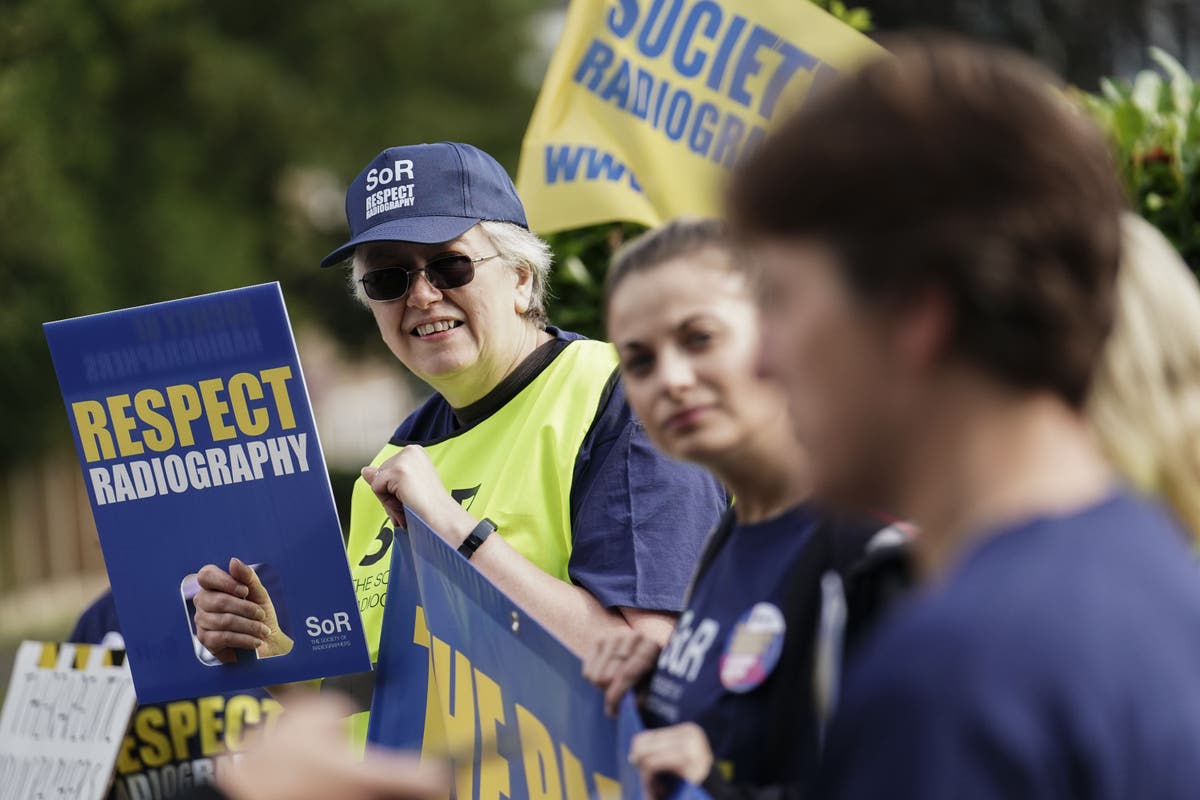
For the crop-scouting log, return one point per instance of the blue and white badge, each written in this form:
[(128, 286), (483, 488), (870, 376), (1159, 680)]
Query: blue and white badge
[(753, 649)]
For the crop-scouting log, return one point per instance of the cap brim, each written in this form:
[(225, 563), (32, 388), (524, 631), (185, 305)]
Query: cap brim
[(421, 230)]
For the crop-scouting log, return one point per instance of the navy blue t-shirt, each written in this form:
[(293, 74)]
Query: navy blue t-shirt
[(172, 747), (1060, 659), (724, 667), (638, 518)]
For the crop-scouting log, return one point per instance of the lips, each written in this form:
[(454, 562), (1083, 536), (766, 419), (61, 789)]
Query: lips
[(685, 419), (434, 327)]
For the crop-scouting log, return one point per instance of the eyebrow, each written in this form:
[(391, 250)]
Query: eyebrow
[(699, 317), (683, 324)]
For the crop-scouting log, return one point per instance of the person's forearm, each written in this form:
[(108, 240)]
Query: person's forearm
[(569, 612)]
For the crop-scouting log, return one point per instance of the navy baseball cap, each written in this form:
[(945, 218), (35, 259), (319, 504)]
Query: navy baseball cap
[(427, 193)]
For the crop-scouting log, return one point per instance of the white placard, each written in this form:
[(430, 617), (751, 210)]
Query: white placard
[(65, 715)]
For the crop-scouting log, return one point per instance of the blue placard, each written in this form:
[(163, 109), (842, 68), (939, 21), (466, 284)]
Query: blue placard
[(505, 699), (197, 443)]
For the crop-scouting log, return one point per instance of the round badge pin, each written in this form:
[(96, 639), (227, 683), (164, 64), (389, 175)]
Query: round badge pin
[(753, 649)]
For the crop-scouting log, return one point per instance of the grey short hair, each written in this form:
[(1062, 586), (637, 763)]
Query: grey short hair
[(520, 249), (524, 249)]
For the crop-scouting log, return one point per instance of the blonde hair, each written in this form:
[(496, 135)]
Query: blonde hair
[(1145, 398)]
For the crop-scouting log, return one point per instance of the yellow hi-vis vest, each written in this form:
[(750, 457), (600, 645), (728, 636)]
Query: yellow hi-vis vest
[(514, 467)]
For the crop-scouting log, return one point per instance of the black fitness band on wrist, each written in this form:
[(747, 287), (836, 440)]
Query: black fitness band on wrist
[(476, 537)]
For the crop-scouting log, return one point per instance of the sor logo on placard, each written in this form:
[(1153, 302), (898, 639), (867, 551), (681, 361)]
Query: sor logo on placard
[(316, 626), (382, 177)]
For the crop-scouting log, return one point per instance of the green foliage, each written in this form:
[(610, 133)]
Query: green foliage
[(857, 18), (153, 149), (577, 283), (1154, 124)]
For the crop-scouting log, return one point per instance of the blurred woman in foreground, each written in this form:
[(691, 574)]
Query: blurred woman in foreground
[(1145, 400), (732, 698)]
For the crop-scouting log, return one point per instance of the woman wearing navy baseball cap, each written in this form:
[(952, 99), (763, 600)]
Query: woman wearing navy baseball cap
[(528, 434)]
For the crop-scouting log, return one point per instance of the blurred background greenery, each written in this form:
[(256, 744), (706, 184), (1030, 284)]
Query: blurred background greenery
[(1153, 121), (154, 149), (162, 148)]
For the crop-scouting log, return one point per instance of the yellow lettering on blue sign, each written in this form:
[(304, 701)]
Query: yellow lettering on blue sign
[(187, 729), (537, 750), (464, 704), (493, 768), (125, 426)]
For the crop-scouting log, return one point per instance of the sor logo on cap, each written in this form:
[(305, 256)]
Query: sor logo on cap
[(382, 177), (389, 198)]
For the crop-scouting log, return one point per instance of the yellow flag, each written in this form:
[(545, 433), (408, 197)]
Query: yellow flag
[(648, 104)]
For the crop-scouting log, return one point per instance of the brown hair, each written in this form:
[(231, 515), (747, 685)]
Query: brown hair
[(955, 167), (677, 238)]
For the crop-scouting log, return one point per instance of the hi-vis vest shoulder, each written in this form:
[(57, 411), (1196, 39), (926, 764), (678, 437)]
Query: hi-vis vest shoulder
[(514, 467)]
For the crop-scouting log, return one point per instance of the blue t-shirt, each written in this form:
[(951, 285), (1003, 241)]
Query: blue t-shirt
[(1060, 659), (638, 518), (739, 661), (171, 747)]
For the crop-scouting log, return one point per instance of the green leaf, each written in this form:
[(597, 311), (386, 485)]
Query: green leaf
[(1112, 91), (575, 271), (1147, 91), (859, 19), (1129, 123), (1182, 85)]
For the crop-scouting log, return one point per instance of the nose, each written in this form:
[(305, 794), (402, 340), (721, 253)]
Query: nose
[(676, 373), (421, 293)]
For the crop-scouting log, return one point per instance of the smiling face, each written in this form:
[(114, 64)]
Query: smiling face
[(460, 341), (686, 332)]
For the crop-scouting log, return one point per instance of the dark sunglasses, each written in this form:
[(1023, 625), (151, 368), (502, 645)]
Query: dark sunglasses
[(444, 272)]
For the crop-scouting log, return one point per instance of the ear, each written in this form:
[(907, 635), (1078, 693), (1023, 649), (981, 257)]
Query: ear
[(523, 290), (923, 329)]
